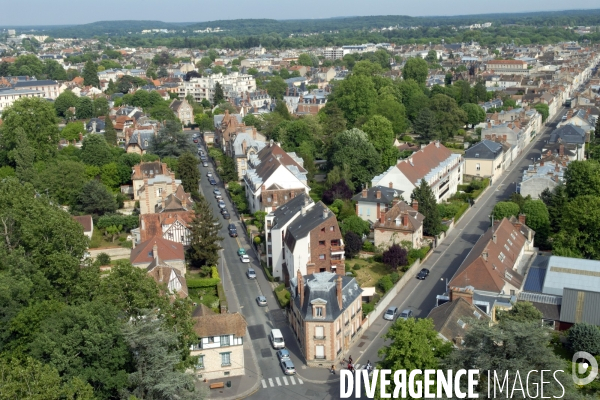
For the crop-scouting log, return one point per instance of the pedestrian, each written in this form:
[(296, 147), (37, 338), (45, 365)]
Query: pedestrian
[(333, 369), (349, 367), (349, 359)]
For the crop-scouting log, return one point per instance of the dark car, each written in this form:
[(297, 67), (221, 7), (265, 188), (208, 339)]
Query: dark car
[(226, 215), (232, 230), (423, 274), (195, 140), (212, 182)]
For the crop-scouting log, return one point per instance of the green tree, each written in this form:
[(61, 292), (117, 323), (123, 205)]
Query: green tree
[(538, 219), (475, 114), (24, 157), (583, 178), (163, 112), (425, 125), (522, 311), (415, 344), (381, 135), (72, 130), (204, 243), (276, 87), (110, 134), (64, 101), (584, 337), (355, 96), (304, 59), (352, 148), (110, 176), (100, 106), (90, 74), (54, 70), (84, 108), (282, 110), (556, 201), (394, 112), (479, 93), (462, 91), (219, 96), (332, 119), (352, 244), (95, 151), (156, 374), (579, 235), (95, 199), (37, 118), (505, 209), (355, 224), (543, 109), (63, 180), (171, 141), (432, 224), (450, 118), (188, 172), (416, 69)]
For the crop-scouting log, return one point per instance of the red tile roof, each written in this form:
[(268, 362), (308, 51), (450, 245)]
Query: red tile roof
[(86, 221), (167, 250), (423, 161)]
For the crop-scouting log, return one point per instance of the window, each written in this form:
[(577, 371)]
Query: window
[(269, 199), (461, 323), (200, 363), (501, 256), (182, 238), (321, 256), (478, 167), (225, 359), (509, 242), (506, 247), (225, 340), (319, 311), (321, 243), (508, 275), (320, 352), (368, 211), (331, 229), (319, 332), (476, 314)]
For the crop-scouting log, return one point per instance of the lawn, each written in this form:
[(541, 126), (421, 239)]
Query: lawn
[(100, 241), (206, 296), (369, 273)]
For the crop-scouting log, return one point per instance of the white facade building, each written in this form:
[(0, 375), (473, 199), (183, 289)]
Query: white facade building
[(234, 84)]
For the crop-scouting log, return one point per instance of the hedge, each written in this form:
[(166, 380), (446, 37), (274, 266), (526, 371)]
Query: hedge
[(283, 295), (222, 297), (128, 222), (198, 283), (460, 212), (268, 272)]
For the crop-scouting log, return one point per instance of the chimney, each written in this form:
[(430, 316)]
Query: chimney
[(561, 150), (184, 203), (504, 138), (405, 219), (484, 255), (465, 293), (557, 168), (494, 237), (415, 205), (254, 133), (541, 163), (437, 143), (325, 213), (489, 124), (390, 185), (522, 219), (378, 194), (160, 274), (382, 217), (300, 287), (364, 193), (155, 251), (339, 292), (223, 308)]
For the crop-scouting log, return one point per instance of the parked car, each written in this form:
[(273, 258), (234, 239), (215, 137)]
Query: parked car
[(241, 251), (244, 258), (216, 191), (204, 164), (223, 210), (423, 273), (262, 301), (390, 313), (283, 354), (212, 181), (406, 314), (195, 140), (288, 367), (232, 230), (226, 215), (218, 197), (221, 204), (251, 274)]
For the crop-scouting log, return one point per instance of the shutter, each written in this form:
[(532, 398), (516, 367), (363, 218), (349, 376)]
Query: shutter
[(319, 332), (320, 352)]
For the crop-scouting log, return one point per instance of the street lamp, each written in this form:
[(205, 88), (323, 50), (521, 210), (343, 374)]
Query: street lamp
[(445, 280)]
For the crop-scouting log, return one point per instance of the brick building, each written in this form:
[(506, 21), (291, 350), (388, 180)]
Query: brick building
[(400, 223), (325, 315)]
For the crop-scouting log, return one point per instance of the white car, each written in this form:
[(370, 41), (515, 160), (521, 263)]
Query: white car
[(244, 258), (221, 204)]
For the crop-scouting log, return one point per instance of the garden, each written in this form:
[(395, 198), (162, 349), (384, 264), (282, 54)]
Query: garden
[(206, 288), (459, 203)]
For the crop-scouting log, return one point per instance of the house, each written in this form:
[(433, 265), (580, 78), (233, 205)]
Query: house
[(183, 110), (496, 262), (372, 201), (572, 137), (168, 277), (451, 319), (88, 224), (244, 145), (95, 125), (157, 250), (548, 174), (302, 70), (227, 125), (153, 181), (273, 177), (438, 166), (220, 346), (313, 243), (48, 87), (485, 159), (140, 140), (8, 96), (507, 66), (325, 315), (400, 223), (170, 225), (276, 223), (311, 103)]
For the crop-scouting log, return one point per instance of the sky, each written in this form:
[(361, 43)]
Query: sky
[(63, 12)]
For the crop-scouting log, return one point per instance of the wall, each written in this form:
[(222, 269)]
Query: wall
[(212, 362)]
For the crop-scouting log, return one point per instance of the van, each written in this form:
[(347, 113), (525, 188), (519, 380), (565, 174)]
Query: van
[(276, 339)]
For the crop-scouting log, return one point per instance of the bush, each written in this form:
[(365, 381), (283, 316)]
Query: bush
[(199, 283), (449, 210), (394, 277), (406, 138), (464, 207), (585, 337), (368, 246), (128, 222), (283, 295), (103, 259), (356, 267), (257, 240), (268, 271), (385, 284), (367, 308)]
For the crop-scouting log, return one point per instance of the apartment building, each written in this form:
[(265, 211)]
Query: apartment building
[(234, 84)]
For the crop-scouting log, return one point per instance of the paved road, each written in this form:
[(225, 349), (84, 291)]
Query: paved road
[(260, 320), (420, 296)]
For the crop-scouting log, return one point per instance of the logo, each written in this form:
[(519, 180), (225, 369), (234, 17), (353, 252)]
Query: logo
[(581, 368)]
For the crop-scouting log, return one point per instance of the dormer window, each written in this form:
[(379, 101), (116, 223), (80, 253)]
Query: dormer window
[(501, 256), (319, 312)]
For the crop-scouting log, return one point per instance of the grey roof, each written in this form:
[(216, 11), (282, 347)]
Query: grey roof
[(447, 317), (387, 195), (99, 125), (257, 145), (290, 209), (21, 84), (568, 134), (486, 149), (142, 138), (304, 224), (574, 273), (217, 119), (580, 306), (534, 282), (322, 288)]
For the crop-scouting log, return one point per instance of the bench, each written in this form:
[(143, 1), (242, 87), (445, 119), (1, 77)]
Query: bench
[(217, 385)]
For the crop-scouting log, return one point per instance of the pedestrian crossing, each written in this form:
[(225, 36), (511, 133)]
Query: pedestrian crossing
[(284, 381)]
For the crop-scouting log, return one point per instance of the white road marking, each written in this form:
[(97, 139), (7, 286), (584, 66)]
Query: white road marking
[(264, 384), (292, 380), (300, 381), (285, 380), (278, 381), (271, 382)]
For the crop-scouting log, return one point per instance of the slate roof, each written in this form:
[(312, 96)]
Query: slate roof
[(209, 325), (167, 250), (568, 134), (268, 160), (387, 195), (100, 125), (290, 209), (304, 224), (142, 139), (451, 319), (486, 150), (149, 169), (22, 84), (322, 287)]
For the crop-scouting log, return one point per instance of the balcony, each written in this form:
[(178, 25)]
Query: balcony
[(319, 337), (337, 262), (336, 248), (320, 357)]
